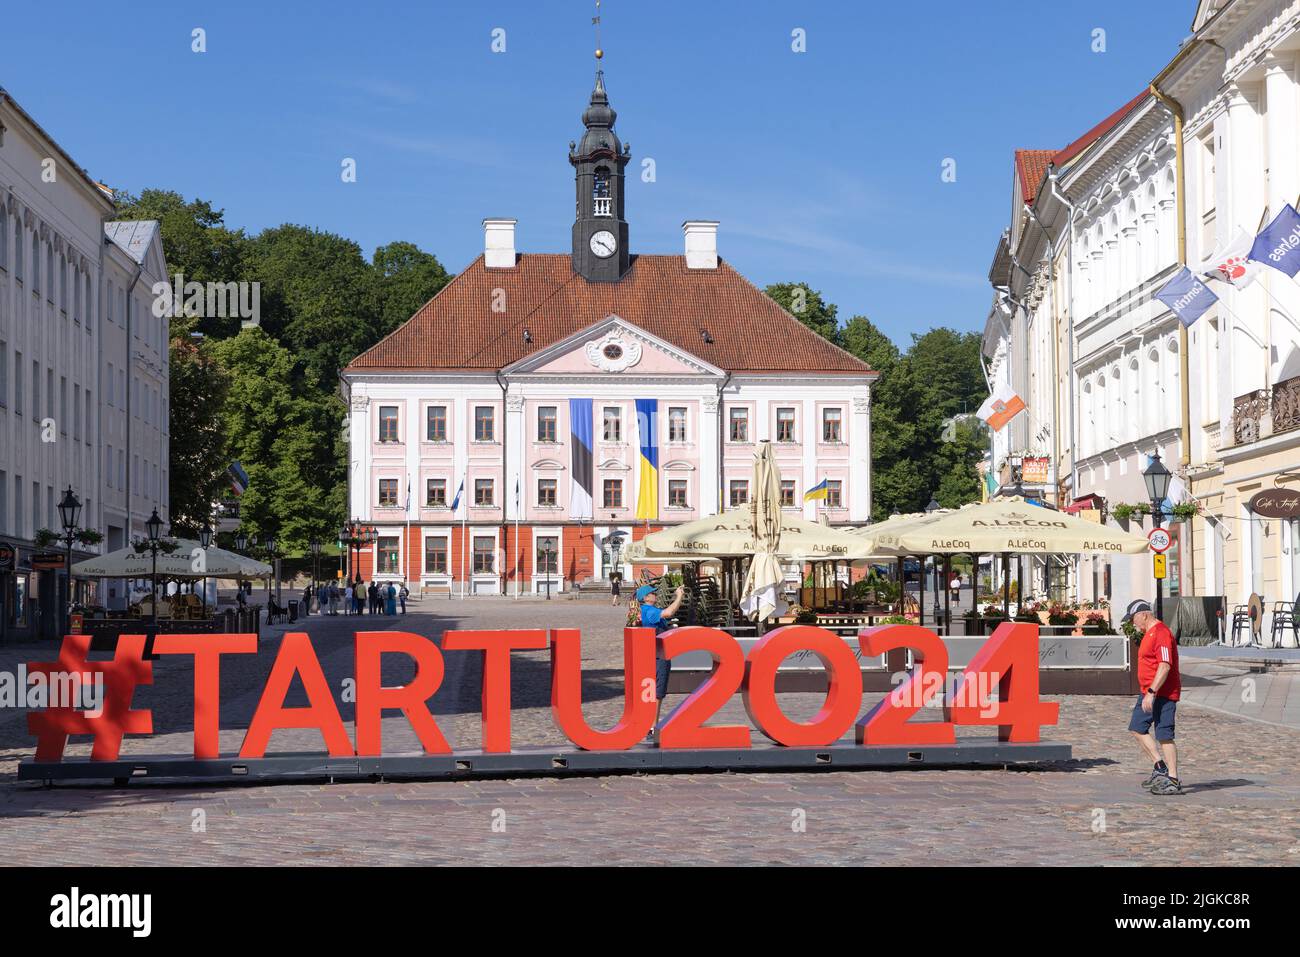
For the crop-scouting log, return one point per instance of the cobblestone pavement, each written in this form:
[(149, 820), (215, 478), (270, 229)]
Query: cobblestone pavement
[(1240, 806)]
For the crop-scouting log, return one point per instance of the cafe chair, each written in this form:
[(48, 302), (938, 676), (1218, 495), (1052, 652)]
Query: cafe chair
[(1285, 616), (1241, 623)]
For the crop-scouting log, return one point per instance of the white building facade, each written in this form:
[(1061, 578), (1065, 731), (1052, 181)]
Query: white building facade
[(56, 343)]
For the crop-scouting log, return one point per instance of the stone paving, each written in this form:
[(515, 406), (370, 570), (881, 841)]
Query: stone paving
[(1239, 745)]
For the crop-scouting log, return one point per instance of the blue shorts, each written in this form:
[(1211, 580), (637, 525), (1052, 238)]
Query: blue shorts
[(1162, 713), (663, 666)]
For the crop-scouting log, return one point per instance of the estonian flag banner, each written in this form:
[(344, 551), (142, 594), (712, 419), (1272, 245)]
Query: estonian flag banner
[(1187, 296), (1279, 244), (647, 496), (580, 428), (455, 502)]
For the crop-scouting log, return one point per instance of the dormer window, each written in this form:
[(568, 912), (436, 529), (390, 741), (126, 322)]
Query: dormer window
[(602, 202)]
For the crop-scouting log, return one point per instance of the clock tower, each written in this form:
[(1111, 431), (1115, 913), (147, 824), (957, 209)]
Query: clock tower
[(599, 227)]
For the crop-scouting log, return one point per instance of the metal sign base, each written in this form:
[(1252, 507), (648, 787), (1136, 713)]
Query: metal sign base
[(548, 762)]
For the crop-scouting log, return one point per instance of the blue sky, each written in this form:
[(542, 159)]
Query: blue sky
[(823, 167)]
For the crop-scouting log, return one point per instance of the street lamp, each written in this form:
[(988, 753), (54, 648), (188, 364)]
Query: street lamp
[(241, 541), (1157, 479), (153, 527), (314, 545), (548, 553), (205, 541), (69, 514), (270, 552)]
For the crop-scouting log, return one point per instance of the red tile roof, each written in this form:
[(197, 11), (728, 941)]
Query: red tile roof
[(1098, 131), (1031, 167), (457, 329)]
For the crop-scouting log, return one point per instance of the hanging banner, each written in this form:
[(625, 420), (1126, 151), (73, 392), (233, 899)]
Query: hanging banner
[(580, 430)]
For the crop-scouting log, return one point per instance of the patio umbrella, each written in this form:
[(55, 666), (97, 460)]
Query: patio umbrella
[(1013, 525), (731, 535), (760, 597), (883, 536), (182, 563)]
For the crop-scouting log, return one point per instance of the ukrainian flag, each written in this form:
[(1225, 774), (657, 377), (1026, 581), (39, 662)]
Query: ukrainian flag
[(647, 498), (819, 490)]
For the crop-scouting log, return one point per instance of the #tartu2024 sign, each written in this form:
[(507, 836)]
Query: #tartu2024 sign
[(998, 688)]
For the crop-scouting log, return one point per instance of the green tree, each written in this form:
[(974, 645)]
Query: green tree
[(807, 305), (199, 386), (408, 278)]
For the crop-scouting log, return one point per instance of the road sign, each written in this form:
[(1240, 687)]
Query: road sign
[(1159, 539), (1159, 564)]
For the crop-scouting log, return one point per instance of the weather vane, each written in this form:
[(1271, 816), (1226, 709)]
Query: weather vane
[(595, 21)]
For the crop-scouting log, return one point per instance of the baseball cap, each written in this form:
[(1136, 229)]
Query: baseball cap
[(1134, 607), (643, 591)]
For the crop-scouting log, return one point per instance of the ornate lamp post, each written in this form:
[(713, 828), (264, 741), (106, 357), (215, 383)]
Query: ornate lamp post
[(548, 552), (205, 541), (1157, 479), (315, 563), (153, 529), (69, 514), (270, 552)]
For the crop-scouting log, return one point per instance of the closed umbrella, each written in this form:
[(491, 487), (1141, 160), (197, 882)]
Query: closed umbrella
[(760, 597)]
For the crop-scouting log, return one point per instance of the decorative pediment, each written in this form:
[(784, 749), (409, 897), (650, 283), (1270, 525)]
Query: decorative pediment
[(615, 465), (678, 465), (613, 346), (547, 465)]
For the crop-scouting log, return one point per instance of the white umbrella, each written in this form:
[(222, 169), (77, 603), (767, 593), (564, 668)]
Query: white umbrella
[(189, 560), (760, 597), (1013, 525)]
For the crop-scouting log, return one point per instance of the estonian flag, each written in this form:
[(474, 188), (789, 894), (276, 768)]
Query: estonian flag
[(455, 502), (580, 430), (820, 490)]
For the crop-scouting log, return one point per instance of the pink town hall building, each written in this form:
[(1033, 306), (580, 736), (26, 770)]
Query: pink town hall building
[(544, 410)]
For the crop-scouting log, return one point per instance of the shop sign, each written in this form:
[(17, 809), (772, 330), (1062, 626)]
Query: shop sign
[(1276, 503), (8, 557)]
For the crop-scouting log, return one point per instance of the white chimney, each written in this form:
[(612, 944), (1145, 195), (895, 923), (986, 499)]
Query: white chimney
[(701, 243), (499, 243)]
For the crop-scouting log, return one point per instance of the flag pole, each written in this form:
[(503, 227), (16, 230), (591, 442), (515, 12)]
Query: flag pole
[(464, 516)]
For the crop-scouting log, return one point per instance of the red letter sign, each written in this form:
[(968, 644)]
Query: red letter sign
[(373, 698), (207, 651), (496, 647), (296, 657), (685, 726), (566, 690), (1008, 661), (842, 697), (886, 723)]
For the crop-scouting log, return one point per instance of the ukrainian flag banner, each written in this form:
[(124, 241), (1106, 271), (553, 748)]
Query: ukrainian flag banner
[(647, 496), (820, 490)]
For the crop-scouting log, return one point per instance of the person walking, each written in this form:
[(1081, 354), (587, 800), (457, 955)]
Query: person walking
[(402, 594), (615, 586), (652, 616), (1159, 688)]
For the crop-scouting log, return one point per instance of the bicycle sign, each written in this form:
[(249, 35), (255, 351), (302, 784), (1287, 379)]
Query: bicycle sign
[(1159, 539)]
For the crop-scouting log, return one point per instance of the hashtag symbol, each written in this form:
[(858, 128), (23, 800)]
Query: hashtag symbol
[(128, 668)]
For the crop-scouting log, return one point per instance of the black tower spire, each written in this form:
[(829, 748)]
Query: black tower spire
[(599, 227)]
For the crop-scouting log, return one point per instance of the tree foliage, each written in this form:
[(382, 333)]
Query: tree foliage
[(924, 440), (268, 396)]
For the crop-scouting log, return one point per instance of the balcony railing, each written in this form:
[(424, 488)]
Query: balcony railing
[(604, 206), (1266, 412), (1286, 405)]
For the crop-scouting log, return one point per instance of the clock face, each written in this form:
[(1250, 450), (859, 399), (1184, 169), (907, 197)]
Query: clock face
[(603, 243)]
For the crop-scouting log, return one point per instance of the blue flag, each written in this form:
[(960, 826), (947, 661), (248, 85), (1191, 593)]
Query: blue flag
[(1279, 244), (1187, 296), (455, 502)]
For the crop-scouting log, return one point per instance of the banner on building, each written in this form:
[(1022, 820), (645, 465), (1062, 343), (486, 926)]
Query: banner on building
[(1001, 407), (647, 496), (1187, 296), (1035, 469), (1234, 265), (1279, 243), (580, 430)]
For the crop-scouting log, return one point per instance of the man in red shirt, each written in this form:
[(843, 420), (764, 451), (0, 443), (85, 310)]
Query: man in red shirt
[(1159, 687)]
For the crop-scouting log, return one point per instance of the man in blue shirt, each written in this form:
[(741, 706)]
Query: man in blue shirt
[(652, 616)]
